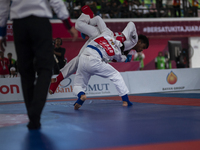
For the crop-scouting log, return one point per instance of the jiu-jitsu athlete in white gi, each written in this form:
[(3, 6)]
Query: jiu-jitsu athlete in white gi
[(93, 61), (94, 27)]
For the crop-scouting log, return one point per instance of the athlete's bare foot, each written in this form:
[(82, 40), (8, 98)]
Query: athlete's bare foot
[(50, 92), (77, 106), (125, 104), (53, 80)]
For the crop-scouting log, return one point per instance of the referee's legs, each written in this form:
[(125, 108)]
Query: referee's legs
[(33, 41)]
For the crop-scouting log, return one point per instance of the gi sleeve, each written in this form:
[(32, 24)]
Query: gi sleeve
[(60, 9), (82, 26), (4, 13), (61, 12), (101, 25), (131, 36), (120, 58), (123, 58)]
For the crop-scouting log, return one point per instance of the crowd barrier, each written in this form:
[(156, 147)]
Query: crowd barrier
[(137, 81)]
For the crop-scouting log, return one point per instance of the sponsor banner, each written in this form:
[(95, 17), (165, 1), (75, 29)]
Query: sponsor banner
[(136, 81), (64, 90), (163, 28), (10, 89), (174, 29), (97, 86), (9, 35), (58, 30), (164, 80)]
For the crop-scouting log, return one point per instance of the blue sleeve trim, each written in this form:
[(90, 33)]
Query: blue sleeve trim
[(3, 31)]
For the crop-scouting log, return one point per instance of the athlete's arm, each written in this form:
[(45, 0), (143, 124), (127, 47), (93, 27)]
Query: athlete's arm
[(100, 24), (82, 25), (131, 36)]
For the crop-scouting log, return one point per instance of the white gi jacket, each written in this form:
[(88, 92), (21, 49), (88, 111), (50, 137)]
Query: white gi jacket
[(90, 63), (95, 26), (108, 47), (24, 8)]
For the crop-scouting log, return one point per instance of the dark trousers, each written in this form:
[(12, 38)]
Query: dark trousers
[(33, 43)]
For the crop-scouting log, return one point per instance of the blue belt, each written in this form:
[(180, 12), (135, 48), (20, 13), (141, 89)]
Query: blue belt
[(93, 47)]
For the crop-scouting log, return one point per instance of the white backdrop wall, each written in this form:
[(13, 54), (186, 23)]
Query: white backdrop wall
[(194, 42), (136, 81)]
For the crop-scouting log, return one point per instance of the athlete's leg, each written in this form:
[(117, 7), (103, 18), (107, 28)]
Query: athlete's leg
[(81, 80), (69, 69), (107, 71)]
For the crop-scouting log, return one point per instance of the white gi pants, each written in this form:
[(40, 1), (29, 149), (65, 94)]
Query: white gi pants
[(72, 65), (90, 65)]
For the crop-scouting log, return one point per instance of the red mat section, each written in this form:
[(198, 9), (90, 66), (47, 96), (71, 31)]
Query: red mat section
[(159, 100), (186, 145), (142, 99), (166, 100)]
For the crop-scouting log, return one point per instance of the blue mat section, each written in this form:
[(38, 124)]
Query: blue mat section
[(100, 124), (180, 95)]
